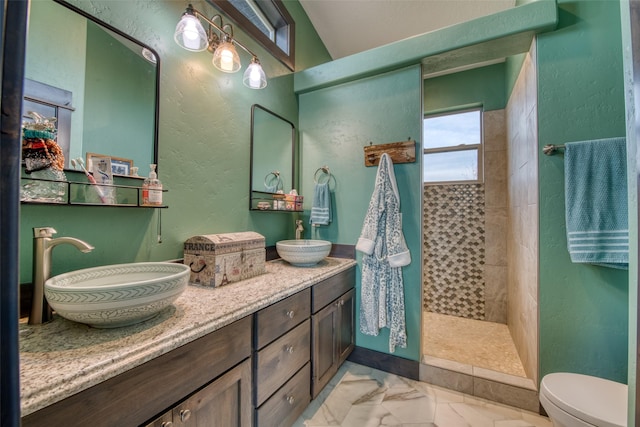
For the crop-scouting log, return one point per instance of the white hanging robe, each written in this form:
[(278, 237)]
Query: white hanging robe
[(385, 253)]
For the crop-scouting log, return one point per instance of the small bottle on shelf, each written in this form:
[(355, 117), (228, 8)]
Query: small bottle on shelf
[(145, 191), (154, 187)]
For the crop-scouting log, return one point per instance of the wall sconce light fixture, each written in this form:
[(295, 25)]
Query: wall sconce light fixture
[(191, 35)]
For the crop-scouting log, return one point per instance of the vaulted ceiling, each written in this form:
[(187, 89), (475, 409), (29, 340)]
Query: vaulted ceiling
[(351, 26)]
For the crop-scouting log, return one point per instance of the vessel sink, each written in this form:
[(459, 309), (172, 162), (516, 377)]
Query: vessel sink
[(117, 295), (303, 253)]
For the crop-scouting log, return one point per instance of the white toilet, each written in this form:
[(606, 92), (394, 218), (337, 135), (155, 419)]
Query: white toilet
[(575, 400)]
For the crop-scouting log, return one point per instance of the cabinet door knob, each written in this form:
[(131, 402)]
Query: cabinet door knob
[(291, 400), (290, 314), (167, 424), (289, 349), (185, 414)]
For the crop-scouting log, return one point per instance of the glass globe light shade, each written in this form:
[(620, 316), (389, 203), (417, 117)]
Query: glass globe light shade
[(190, 34), (254, 76), (226, 58)]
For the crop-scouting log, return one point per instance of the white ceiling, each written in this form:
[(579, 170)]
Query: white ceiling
[(351, 26)]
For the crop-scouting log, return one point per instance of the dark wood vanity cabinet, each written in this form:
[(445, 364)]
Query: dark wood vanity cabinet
[(225, 402), (299, 344), (332, 327), (212, 372), (281, 361)]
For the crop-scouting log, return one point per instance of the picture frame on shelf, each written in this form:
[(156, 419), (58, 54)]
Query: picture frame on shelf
[(119, 165)]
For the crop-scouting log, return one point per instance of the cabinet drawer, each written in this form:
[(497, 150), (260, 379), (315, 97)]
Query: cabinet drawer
[(328, 290), (277, 362), (275, 320), (286, 405)]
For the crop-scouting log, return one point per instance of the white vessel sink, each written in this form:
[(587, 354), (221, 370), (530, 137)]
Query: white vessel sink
[(116, 295), (303, 253)]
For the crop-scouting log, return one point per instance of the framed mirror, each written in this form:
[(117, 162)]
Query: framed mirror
[(272, 166), (100, 83)]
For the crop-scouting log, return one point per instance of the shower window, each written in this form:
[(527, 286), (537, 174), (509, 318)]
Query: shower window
[(453, 147)]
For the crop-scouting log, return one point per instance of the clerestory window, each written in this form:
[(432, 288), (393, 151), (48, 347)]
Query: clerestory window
[(453, 147), (267, 21)]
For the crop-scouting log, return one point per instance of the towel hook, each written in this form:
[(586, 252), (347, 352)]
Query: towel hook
[(326, 171), (551, 149), (276, 178)]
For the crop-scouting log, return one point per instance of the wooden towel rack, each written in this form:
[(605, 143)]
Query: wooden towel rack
[(400, 152)]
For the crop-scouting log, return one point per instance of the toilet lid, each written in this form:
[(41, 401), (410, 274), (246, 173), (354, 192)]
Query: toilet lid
[(595, 400)]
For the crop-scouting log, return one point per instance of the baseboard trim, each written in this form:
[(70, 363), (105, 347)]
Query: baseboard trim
[(386, 362)]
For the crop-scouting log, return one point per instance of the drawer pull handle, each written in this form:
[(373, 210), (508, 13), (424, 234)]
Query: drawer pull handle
[(291, 314), (340, 303), (291, 400), (185, 414), (289, 349), (167, 424)]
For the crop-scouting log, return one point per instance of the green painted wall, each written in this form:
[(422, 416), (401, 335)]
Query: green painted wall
[(335, 124), (583, 309), (513, 63), (204, 135), (310, 50), (481, 86)]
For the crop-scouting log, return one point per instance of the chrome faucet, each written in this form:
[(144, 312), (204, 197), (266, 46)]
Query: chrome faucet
[(299, 228), (43, 244)]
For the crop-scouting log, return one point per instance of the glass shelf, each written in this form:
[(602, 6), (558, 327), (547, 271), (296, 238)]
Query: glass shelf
[(272, 199), (75, 193)]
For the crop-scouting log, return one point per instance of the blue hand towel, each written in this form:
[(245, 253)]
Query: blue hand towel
[(596, 202), (321, 207)]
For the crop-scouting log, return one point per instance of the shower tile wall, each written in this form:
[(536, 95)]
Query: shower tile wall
[(523, 150), (454, 253), (465, 248), (496, 215)]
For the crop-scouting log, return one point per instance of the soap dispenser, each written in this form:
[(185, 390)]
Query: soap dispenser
[(152, 188), (145, 191)]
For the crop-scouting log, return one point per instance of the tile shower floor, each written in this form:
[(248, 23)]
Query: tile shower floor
[(471, 342), (359, 396)]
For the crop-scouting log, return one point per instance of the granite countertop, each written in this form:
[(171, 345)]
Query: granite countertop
[(61, 358)]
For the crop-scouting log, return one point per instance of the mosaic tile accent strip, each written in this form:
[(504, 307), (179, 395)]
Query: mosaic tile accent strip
[(454, 250)]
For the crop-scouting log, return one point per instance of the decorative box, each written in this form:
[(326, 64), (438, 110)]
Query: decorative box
[(220, 259)]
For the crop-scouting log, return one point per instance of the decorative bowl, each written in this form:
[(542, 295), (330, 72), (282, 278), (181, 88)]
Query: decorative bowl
[(117, 295), (303, 253)]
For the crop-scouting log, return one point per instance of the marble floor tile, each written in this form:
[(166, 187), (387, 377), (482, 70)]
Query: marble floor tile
[(370, 416), (409, 405), (359, 396)]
